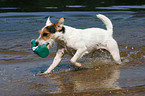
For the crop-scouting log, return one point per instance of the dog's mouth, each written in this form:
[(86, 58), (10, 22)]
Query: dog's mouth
[(38, 44), (47, 45)]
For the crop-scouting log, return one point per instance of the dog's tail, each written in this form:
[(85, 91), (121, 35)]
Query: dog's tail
[(107, 22)]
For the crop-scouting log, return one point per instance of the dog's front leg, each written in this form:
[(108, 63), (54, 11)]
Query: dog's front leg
[(56, 60), (77, 56)]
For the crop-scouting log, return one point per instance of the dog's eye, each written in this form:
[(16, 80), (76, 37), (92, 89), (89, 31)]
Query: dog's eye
[(51, 29), (45, 34)]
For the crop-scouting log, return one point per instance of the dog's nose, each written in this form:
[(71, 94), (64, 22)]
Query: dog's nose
[(36, 43), (47, 44)]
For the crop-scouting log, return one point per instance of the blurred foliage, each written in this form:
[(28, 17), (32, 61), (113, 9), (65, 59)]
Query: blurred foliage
[(61, 4)]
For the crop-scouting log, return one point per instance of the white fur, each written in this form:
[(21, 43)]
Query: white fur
[(83, 41), (48, 22)]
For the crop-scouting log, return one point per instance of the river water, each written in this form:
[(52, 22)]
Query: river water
[(19, 65)]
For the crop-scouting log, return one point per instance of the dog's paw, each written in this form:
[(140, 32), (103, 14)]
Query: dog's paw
[(41, 74), (119, 62)]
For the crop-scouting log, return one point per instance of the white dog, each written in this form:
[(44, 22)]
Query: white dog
[(80, 41)]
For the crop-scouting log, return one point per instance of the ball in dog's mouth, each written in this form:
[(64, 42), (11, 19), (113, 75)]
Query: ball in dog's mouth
[(41, 50)]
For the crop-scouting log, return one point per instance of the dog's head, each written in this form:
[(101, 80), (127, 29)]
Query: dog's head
[(48, 32)]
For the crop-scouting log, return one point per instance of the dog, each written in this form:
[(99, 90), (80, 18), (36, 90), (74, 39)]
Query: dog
[(78, 42)]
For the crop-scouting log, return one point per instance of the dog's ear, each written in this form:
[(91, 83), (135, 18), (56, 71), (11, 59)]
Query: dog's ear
[(48, 22), (59, 24)]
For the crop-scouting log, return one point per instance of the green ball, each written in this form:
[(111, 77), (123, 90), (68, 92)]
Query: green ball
[(33, 43), (41, 50)]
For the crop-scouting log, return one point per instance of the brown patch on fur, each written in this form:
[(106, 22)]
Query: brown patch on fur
[(45, 31), (49, 31), (58, 25)]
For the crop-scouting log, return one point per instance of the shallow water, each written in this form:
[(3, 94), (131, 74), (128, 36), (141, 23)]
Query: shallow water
[(18, 64)]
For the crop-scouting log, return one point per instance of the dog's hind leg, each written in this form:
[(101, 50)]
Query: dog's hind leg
[(112, 47), (79, 53)]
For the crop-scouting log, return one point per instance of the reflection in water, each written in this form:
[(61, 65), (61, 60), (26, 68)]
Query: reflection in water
[(103, 78)]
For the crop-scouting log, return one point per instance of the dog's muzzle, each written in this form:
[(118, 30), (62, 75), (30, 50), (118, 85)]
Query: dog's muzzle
[(37, 43)]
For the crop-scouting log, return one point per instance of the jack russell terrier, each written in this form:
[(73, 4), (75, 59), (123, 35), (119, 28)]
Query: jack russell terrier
[(81, 41)]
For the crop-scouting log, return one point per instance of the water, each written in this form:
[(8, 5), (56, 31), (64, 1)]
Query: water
[(18, 64)]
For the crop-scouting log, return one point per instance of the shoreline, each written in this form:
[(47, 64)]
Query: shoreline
[(125, 91)]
